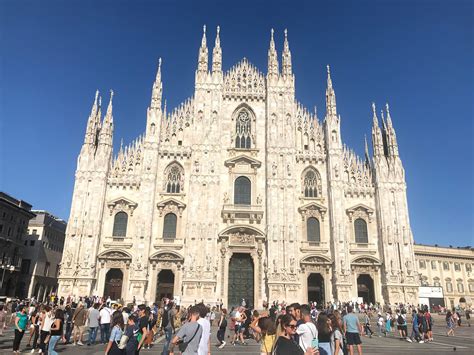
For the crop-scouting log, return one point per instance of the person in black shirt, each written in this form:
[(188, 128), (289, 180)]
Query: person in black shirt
[(142, 325), (285, 345)]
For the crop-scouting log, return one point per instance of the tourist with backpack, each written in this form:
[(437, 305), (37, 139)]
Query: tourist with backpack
[(167, 323), (131, 332), (189, 335), (402, 324)]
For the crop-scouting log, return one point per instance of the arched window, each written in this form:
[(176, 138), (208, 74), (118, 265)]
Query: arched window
[(312, 230), (169, 226), (243, 130), (120, 225), (360, 229), (449, 285), (436, 282), (310, 184), (174, 178), (460, 286), (242, 191)]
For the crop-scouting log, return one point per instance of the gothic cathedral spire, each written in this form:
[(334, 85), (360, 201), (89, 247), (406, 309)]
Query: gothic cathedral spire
[(286, 58), (107, 130), (331, 111), (217, 54), (203, 54), (157, 91), (273, 70), (377, 140), (93, 123), (392, 144)]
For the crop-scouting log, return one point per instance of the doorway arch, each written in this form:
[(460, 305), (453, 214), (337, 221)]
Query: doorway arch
[(113, 284), (165, 285), (241, 280), (316, 288), (365, 288)]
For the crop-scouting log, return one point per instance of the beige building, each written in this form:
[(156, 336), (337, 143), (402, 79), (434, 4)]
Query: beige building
[(240, 192), (448, 268), (43, 249)]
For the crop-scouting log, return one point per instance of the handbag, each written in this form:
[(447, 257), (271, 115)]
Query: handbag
[(183, 345), (123, 342)]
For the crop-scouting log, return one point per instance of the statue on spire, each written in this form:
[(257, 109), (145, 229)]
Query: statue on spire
[(331, 110), (273, 70), (203, 54), (157, 91), (217, 54), (286, 57)]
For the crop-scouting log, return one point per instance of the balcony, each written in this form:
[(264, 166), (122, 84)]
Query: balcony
[(250, 213), (362, 248)]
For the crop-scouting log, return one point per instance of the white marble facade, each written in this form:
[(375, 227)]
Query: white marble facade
[(248, 125)]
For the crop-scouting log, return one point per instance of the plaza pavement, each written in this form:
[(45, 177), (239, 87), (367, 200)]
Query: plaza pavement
[(461, 343)]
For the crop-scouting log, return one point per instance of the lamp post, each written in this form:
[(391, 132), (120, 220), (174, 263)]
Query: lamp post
[(5, 267)]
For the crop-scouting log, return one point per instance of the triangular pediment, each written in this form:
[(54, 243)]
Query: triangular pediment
[(312, 206), (359, 207), (122, 201), (243, 159), (171, 201)]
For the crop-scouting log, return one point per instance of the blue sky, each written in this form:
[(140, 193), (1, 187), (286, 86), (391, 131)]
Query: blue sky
[(417, 55)]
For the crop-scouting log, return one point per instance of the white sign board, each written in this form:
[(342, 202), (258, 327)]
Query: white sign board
[(430, 292)]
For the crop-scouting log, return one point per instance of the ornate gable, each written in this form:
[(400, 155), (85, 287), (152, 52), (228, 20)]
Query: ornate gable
[(242, 160), (122, 204), (171, 205), (312, 209), (244, 81), (360, 210)]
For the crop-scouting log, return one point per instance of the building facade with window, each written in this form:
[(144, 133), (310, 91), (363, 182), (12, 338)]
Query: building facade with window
[(449, 268), (14, 217), (240, 192), (43, 250)]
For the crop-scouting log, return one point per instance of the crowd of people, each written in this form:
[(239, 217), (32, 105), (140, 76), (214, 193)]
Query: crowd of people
[(280, 329)]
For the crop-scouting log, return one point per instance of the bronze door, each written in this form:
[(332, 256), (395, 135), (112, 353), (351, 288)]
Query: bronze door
[(113, 284), (241, 280)]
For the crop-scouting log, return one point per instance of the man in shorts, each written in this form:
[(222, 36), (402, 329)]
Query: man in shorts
[(352, 329)]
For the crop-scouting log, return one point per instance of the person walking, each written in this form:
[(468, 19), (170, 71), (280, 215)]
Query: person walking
[(115, 335), (450, 324), (379, 325), (79, 322), (46, 321), (131, 332), (34, 320), (352, 331), (104, 321), (68, 321), (468, 317), (93, 316), (429, 325), (367, 329), (21, 320), (56, 331), (167, 322), (222, 324)]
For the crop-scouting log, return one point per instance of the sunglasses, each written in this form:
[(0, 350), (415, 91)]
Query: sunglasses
[(292, 326)]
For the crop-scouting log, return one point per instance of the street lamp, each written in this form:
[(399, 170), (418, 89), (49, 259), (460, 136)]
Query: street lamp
[(5, 267)]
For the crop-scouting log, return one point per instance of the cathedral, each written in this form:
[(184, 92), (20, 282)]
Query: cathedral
[(239, 192)]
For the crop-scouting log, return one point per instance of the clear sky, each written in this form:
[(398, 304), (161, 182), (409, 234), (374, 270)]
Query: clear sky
[(417, 55)]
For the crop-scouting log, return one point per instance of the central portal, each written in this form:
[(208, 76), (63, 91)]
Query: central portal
[(241, 280)]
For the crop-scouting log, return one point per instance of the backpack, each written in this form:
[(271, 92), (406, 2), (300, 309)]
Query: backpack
[(165, 318), (400, 320)]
